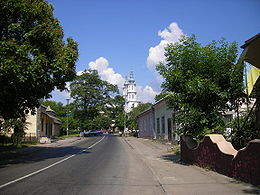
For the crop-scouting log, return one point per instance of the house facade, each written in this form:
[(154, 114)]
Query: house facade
[(165, 126), (146, 124), (43, 124), (158, 123)]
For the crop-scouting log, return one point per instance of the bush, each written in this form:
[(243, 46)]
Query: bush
[(244, 130)]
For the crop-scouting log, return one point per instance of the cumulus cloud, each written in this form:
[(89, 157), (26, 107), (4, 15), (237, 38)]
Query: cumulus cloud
[(61, 96), (171, 34), (156, 53), (146, 94), (106, 73)]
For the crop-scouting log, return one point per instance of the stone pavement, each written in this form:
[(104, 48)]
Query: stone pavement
[(176, 177)]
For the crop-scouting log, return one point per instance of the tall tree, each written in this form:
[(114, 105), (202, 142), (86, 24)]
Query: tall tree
[(116, 111), (202, 82), (92, 97), (34, 59)]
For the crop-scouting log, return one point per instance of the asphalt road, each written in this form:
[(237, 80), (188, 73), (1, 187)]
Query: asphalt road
[(95, 165)]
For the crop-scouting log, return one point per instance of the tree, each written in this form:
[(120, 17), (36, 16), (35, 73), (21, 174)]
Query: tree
[(241, 136), (58, 107), (34, 59), (116, 111), (202, 82), (92, 97)]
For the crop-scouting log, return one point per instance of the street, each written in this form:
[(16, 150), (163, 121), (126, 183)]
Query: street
[(111, 165)]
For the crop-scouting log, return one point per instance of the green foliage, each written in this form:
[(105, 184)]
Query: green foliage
[(57, 107), (94, 99), (132, 116), (18, 126), (160, 96), (200, 81), (62, 111), (241, 136), (116, 111), (34, 59)]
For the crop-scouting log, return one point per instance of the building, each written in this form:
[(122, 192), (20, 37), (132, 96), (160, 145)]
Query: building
[(44, 124), (129, 93), (165, 126), (251, 55), (157, 122), (146, 124)]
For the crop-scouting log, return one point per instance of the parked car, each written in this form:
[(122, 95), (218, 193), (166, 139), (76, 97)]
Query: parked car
[(92, 133)]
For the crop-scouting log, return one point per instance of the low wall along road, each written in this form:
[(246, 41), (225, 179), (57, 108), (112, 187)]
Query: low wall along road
[(216, 153)]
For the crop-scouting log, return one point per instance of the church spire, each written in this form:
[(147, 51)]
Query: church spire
[(129, 93)]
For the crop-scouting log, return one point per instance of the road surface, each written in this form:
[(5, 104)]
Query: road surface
[(96, 165), (110, 165)]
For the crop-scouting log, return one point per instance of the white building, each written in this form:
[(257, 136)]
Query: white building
[(158, 122), (129, 93)]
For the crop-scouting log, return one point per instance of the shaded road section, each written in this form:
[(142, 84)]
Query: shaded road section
[(110, 167)]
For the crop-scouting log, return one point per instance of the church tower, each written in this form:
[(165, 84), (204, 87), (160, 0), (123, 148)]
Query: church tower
[(129, 93)]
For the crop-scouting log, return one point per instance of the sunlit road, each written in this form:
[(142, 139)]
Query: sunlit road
[(95, 165)]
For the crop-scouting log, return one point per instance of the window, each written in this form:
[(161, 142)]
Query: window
[(163, 125), (158, 125)]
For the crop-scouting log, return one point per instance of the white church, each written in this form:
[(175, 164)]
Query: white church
[(129, 93)]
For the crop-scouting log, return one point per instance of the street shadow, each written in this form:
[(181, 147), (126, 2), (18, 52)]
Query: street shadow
[(252, 191), (175, 158), (34, 154), (249, 189)]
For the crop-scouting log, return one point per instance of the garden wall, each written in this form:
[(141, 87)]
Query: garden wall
[(216, 153)]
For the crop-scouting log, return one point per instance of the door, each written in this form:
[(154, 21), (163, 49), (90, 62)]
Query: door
[(169, 121)]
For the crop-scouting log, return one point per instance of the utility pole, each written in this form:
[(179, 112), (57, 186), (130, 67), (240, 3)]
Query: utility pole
[(68, 100)]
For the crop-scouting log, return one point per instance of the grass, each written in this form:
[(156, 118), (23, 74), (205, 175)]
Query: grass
[(10, 146), (65, 136), (174, 149), (4, 147)]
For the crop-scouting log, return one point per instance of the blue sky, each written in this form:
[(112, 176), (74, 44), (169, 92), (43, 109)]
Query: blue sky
[(119, 36)]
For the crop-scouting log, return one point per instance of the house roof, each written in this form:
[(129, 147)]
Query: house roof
[(152, 106), (50, 113), (55, 119), (145, 111), (251, 50)]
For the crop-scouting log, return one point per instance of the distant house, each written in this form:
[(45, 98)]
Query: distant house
[(158, 122), (146, 124), (43, 124)]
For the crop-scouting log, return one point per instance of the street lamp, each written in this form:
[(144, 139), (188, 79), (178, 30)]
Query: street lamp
[(68, 100)]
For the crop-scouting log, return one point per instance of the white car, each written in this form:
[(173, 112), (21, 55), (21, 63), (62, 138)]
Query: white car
[(92, 133)]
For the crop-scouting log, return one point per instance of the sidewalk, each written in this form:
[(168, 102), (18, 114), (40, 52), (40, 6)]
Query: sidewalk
[(176, 177)]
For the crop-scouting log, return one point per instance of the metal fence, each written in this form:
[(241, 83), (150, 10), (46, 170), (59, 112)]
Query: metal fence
[(29, 137)]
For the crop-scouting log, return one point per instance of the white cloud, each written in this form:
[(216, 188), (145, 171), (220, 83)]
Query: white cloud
[(146, 94), (156, 53), (170, 34), (80, 72), (61, 96), (106, 73)]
